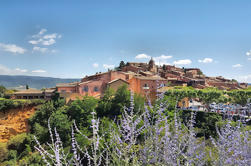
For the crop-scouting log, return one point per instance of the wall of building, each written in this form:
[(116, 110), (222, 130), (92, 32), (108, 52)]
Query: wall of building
[(67, 89), (116, 75), (115, 85), (95, 88)]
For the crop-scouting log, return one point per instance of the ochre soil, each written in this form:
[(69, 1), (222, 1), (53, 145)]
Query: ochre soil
[(15, 121)]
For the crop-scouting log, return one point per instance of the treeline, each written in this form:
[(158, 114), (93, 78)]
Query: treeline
[(6, 104), (210, 95)]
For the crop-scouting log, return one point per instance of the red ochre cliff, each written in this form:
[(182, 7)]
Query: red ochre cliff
[(15, 121)]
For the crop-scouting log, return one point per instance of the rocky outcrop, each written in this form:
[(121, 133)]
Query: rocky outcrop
[(15, 121)]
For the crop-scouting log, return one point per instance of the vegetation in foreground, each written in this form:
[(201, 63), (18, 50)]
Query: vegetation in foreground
[(104, 132)]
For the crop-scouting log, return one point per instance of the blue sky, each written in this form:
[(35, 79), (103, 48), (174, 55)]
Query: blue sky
[(71, 39)]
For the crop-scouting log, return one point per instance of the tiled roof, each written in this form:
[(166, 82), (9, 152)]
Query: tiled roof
[(150, 78), (29, 91), (34, 91), (72, 84), (117, 80)]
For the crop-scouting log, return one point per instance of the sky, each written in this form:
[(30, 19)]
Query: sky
[(71, 39)]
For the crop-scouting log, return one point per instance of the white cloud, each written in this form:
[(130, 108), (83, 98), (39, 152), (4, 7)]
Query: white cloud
[(161, 60), (12, 48), (38, 71), (21, 70), (237, 66), (54, 51), (108, 66), (142, 56), (246, 78), (95, 65), (48, 42), (34, 41), (248, 53), (4, 70), (43, 50), (249, 59), (50, 36), (162, 57), (41, 32), (7, 71), (44, 39), (206, 60), (182, 62)]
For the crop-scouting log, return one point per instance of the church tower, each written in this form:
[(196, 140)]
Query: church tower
[(151, 66)]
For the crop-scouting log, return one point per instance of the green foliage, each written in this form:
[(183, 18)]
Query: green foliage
[(105, 104), (3, 151), (113, 103), (80, 110), (239, 96), (206, 122), (121, 64), (139, 102), (21, 144), (6, 104), (210, 95), (61, 122), (121, 100), (2, 91), (57, 114), (33, 159)]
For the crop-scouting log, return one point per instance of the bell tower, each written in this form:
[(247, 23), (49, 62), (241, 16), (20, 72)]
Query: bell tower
[(151, 66)]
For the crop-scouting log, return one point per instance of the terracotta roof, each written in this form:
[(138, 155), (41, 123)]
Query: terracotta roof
[(34, 91), (192, 69), (29, 91), (50, 90), (117, 80), (151, 78), (72, 84), (85, 82)]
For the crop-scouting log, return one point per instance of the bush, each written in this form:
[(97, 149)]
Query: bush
[(3, 152), (6, 104), (19, 142)]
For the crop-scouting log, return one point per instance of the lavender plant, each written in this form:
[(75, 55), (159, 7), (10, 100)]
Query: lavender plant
[(149, 139), (233, 145), (125, 143), (55, 155)]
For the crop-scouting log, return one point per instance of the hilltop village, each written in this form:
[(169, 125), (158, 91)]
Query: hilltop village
[(141, 78)]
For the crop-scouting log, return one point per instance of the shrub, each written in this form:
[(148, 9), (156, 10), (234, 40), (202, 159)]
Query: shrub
[(3, 152)]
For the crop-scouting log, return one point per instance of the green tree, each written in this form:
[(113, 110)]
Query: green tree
[(39, 121), (121, 100), (139, 102), (3, 151), (121, 64), (240, 96), (2, 91), (80, 110), (105, 104), (61, 122)]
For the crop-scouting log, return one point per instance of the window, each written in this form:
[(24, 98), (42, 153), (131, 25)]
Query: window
[(95, 89), (85, 89), (145, 86), (63, 91)]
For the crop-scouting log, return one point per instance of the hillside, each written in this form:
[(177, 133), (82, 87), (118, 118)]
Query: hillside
[(33, 81)]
